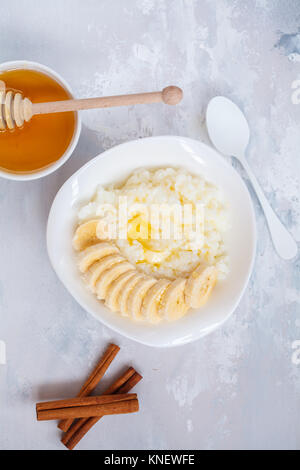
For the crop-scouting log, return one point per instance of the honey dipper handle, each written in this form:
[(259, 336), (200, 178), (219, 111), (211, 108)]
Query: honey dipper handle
[(170, 95)]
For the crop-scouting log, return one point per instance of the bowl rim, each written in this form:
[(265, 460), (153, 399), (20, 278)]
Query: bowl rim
[(31, 65), (85, 306)]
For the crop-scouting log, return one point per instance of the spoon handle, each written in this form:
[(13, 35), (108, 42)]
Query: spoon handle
[(170, 95), (284, 244)]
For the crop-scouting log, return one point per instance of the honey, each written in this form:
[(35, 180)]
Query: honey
[(44, 139)]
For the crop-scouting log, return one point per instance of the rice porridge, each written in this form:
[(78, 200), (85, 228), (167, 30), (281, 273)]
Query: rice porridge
[(192, 211)]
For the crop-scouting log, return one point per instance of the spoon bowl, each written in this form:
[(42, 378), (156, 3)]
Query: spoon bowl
[(225, 120)]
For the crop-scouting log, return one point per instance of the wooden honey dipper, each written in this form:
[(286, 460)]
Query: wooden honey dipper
[(14, 109)]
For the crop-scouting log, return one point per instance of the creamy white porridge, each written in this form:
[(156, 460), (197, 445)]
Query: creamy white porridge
[(181, 251)]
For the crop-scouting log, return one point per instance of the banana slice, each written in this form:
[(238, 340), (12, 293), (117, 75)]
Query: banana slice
[(172, 305), (110, 275), (123, 297), (85, 235), (150, 306), (199, 285), (136, 297), (114, 290), (100, 266), (94, 253)]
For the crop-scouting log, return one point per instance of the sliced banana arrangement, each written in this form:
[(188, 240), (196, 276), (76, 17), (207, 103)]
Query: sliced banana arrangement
[(124, 289)]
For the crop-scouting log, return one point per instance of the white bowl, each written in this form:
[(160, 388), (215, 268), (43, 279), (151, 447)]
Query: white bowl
[(24, 64), (115, 165)]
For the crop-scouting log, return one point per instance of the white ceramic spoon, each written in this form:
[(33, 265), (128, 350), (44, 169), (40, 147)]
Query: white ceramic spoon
[(229, 132)]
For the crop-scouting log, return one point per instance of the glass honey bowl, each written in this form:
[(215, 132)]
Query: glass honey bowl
[(46, 142)]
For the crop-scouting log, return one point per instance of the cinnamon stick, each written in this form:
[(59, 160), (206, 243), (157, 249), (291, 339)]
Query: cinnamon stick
[(80, 428), (87, 407), (93, 379), (83, 401)]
